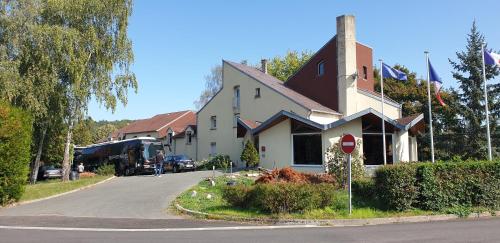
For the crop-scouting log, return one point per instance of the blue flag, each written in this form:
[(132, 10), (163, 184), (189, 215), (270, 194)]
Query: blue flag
[(389, 72)]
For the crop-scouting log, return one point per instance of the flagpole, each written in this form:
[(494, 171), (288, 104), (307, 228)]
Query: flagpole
[(430, 105), (383, 116), (486, 105)]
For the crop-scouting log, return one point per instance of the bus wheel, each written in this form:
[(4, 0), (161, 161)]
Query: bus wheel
[(127, 172), (175, 169)]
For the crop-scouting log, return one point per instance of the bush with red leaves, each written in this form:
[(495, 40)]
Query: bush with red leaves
[(290, 175)]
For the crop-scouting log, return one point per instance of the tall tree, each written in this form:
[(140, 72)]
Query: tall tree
[(94, 55), (284, 67), (468, 73), (213, 83), (29, 77)]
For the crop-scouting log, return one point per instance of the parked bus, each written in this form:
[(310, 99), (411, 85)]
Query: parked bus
[(130, 156)]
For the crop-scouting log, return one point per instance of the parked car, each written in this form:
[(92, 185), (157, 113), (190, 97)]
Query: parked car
[(50, 172), (178, 163)]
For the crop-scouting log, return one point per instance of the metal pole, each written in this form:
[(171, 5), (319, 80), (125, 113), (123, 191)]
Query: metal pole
[(486, 106), (383, 116), (430, 106), (350, 184)]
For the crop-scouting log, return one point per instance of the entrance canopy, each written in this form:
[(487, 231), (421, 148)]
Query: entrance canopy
[(371, 118)]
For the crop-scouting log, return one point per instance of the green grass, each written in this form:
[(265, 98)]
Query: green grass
[(52, 187), (338, 210)]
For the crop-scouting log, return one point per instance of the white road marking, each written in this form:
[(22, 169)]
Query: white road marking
[(160, 229)]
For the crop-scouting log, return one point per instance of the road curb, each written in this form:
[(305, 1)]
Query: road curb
[(339, 222), (57, 195)]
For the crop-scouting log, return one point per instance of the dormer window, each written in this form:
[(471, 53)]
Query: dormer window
[(170, 138), (189, 137), (321, 68)]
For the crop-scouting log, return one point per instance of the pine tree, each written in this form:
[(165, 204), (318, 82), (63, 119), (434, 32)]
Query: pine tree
[(250, 155), (468, 73)]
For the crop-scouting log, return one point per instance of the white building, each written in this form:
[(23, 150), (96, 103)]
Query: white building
[(292, 123)]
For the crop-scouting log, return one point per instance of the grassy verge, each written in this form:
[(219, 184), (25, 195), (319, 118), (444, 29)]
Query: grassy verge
[(52, 187), (338, 210)]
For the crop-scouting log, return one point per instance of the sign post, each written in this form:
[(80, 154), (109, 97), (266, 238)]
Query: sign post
[(348, 144)]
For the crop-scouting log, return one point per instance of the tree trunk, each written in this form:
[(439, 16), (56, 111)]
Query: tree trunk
[(66, 160), (36, 164)]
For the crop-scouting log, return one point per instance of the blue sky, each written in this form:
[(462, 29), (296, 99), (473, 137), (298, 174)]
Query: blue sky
[(177, 42)]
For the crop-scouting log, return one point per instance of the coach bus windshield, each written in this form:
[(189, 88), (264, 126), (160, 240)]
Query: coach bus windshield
[(150, 149)]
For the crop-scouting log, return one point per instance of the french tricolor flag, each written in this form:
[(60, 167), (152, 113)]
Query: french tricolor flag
[(491, 58), (436, 80)]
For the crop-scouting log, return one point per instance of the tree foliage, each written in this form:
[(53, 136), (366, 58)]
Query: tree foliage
[(468, 73), (213, 83), (15, 139), (250, 155), (284, 67)]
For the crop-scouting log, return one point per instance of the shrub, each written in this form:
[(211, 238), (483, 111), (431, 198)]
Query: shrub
[(281, 197), (250, 155), (237, 195), (15, 141), (220, 161), (293, 176), (439, 186), (396, 186), (337, 165), (364, 189), (106, 170), (461, 184)]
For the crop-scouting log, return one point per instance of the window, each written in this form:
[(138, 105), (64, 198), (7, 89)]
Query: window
[(257, 93), (213, 149), (189, 137), (307, 149), (213, 122), (321, 68), (236, 101), (148, 135), (365, 73), (170, 138)]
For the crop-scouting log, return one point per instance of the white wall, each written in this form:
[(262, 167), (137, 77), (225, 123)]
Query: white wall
[(323, 118), (366, 101), (401, 146), (257, 109), (278, 144), (182, 147)]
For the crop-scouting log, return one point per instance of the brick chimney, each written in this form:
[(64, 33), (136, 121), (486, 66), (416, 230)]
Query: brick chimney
[(346, 64), (263, 64)]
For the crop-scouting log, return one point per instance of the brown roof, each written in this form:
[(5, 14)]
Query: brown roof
[(179, 125), (251, 124), (406, 120), (159, 123), (183, 133), (279, 87)]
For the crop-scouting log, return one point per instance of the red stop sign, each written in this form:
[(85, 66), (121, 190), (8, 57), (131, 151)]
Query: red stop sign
[(347, 143)]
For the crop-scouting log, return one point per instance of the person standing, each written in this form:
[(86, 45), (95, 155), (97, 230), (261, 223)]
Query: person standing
[(81, 168), (159, 163)]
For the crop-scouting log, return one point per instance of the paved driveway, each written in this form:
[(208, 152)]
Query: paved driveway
[(144, 197)]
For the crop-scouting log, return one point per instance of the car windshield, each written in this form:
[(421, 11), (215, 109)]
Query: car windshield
[(181, 157)]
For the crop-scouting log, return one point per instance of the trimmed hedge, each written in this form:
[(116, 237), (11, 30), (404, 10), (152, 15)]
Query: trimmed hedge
[(15, 142), (439, 186), (279, 198)]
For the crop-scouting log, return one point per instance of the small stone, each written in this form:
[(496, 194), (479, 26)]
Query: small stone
[(209, 196), (193, 193), (212, 182)]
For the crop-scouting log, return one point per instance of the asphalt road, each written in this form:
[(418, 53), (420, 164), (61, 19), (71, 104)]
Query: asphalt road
[(484, 230), (144, 197)]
